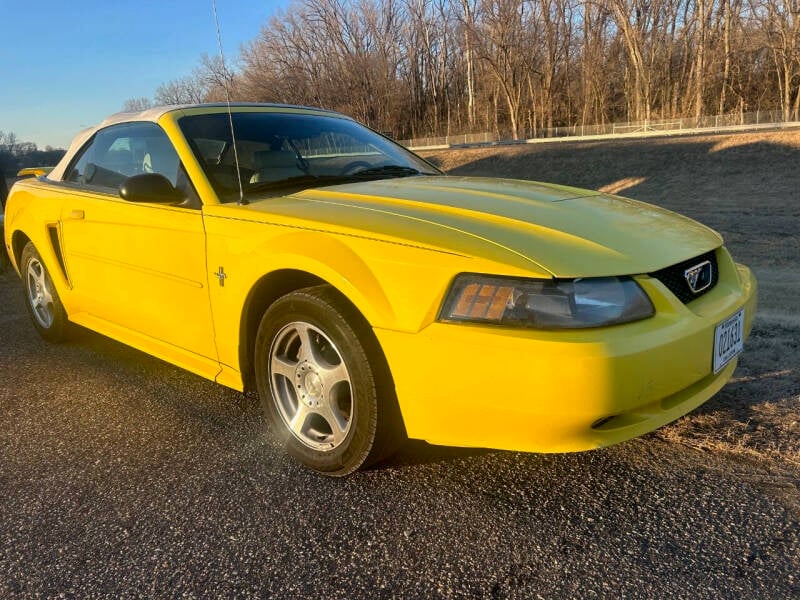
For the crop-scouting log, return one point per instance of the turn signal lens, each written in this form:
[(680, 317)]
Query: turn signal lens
[(546, 303), (483, 301)]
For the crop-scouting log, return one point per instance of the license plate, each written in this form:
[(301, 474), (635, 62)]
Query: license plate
[(728, 340)]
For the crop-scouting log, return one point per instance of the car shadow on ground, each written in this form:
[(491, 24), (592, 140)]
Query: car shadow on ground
[(418, 452)]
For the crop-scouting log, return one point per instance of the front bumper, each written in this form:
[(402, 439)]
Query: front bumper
[(545, 391)]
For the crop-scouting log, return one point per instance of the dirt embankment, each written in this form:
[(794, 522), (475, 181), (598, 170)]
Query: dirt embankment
[(747, 187)]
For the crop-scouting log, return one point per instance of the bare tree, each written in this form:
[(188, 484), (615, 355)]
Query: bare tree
[(780, 21), (216, 78), (137, 104), (503, 51), (186, 90), (434, 67)]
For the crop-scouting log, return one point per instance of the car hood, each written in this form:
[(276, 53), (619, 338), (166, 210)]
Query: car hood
[(567, 232)]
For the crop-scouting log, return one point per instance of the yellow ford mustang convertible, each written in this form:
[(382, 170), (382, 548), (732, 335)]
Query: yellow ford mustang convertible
[(366, 295)]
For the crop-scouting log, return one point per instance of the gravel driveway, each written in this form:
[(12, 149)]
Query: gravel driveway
[(122, 476)]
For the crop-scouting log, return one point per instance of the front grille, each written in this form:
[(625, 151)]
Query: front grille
[(674, 277)]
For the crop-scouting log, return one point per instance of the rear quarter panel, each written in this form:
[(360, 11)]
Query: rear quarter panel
[(34, 206)]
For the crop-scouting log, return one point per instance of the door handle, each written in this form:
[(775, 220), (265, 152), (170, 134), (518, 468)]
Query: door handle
[(76, 214)]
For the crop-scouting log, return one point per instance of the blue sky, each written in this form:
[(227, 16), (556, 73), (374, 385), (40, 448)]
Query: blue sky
[(66, 65)]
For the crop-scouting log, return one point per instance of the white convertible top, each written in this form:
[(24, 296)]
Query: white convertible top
[(153, 115)]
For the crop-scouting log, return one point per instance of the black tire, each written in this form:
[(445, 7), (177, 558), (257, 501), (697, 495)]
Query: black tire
[(4, 260), (319, 366), (41, 298)]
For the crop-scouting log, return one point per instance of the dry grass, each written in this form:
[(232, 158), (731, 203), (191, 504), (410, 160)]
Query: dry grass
[(747, 187)]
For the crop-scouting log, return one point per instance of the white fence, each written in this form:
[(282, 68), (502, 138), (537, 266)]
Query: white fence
[(687, 125)]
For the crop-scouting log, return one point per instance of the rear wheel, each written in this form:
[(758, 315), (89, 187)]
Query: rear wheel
[(44, 305), (322, 382), (4, 262)]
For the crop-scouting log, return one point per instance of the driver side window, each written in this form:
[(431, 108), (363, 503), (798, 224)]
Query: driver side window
[(120, 151)]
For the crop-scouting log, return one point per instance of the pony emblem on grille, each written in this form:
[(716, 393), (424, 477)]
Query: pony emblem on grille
[(699, 277)]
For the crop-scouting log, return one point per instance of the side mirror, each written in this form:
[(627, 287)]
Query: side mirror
[(150, 187)]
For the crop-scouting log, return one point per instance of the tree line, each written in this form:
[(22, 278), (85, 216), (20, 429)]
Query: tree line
[(16, 154), (516, 67)]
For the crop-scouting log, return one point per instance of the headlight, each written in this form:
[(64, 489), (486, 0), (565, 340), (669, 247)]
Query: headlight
[(545, 303)]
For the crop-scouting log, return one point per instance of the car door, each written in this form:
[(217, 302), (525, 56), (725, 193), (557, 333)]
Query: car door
[(136, 269)]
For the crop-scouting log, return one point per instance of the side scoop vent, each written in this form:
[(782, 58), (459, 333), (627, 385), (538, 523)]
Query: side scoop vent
[(52, 230)]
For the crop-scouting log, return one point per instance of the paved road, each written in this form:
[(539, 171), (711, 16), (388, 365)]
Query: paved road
[(123, 476)]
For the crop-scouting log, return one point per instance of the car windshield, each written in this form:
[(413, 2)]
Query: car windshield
[(281, 152)]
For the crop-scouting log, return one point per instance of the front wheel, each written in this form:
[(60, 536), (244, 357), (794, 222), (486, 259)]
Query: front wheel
[(44, 305), (323, 384)]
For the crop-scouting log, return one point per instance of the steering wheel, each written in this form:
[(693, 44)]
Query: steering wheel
[(354, 167)]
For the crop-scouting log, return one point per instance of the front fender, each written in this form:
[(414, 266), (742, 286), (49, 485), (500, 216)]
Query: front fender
[(331, 260), (242, 253)]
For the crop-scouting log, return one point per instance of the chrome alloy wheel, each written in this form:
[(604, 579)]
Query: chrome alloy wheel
[(310, 386), (40, 296)]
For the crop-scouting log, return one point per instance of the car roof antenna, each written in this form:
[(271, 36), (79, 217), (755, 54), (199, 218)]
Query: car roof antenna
[(228, 102)]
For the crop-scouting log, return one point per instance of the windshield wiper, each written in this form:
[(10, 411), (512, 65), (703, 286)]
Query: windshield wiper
[(306, 181), (388, 171), (300, 181)]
